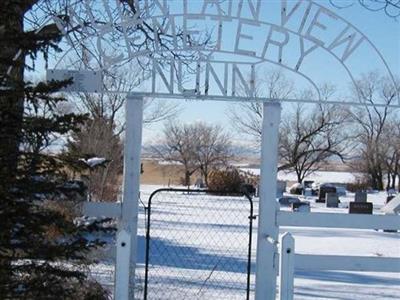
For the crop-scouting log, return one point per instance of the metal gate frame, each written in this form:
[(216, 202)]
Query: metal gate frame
[(198, 191)]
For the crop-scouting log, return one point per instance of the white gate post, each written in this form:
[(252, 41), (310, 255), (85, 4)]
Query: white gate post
[(286, 267), (127, 227), (268, 231)]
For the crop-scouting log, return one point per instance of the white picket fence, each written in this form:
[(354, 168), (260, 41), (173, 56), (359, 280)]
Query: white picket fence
[(289, 260)]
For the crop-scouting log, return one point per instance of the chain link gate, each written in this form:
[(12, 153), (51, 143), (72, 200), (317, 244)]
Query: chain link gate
[(198, 245)]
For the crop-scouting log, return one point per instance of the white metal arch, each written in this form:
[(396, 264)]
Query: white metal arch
[(350, 37)]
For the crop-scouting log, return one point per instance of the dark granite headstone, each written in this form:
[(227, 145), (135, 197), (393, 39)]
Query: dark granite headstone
[(360, 208), (323, 190), (331, 200)]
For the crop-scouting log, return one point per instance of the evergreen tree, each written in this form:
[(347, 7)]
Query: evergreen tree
[(42, 248)]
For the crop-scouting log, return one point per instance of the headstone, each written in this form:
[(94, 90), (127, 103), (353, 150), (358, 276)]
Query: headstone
[(280, 188), (331, 200), (360, 208), (308, 192), (301, 207), (393, 207), (323, 190), (360, 197)]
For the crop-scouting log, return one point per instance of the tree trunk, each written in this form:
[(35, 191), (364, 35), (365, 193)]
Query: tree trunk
[(187, 178), (393, 185), (104, 176), (11, 103), (204, 170), (380, 181), (376, 179), (394, 176), (206, 179), (11, 113), (299, 176), (389, 181)]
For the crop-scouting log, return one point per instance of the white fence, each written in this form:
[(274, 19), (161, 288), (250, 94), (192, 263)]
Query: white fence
[(289, 261)]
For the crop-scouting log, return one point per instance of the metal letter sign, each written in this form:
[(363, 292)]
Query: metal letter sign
[(213, 49)]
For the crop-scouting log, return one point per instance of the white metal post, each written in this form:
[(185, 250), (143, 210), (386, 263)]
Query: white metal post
[(286, 267), (127, 229), (268, 230)]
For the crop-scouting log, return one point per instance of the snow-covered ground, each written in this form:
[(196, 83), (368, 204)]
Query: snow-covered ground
[(318, 176), (199, 246)]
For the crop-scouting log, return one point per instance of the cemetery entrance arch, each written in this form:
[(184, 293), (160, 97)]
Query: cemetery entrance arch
[(212, 49)]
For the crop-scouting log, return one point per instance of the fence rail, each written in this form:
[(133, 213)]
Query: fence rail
[(347, 263), (336, 220), (289, 261)]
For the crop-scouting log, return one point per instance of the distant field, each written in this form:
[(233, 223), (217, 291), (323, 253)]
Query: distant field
[(171, 174), (163, 174)]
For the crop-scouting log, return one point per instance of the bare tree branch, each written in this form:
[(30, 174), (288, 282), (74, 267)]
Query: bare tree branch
[(390, 7), (196, 146)]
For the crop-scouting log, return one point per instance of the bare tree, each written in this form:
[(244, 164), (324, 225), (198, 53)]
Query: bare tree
[(111, 105), (391, 147), (97, 138), (213, 148), (370, 123), (178, 145), (196, 146), (310, 137), (247, 116), (102, 135)]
